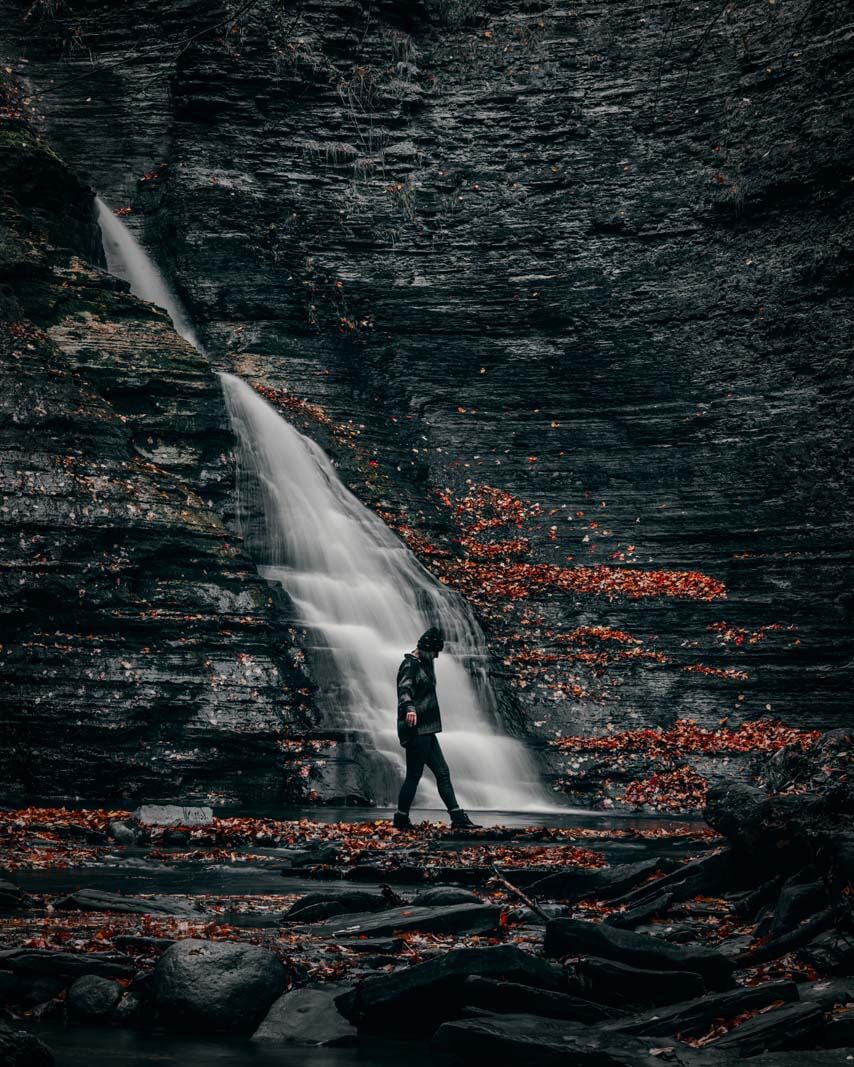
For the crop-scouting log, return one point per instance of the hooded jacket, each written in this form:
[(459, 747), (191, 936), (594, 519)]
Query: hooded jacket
[(416, 691)]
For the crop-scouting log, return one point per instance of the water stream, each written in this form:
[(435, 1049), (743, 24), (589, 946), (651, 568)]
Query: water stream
[(358, 591)]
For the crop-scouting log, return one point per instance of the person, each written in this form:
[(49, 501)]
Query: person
[(418, 723)]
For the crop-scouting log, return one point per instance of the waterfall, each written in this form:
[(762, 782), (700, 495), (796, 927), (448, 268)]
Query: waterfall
[(364, 600), (127, 259), (360, 594)]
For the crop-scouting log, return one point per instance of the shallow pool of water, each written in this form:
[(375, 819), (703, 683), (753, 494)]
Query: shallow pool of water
[(84, 1046)]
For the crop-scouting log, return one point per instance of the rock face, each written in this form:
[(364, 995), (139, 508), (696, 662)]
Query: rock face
[(594, 259), (141, 650), (216, 985)]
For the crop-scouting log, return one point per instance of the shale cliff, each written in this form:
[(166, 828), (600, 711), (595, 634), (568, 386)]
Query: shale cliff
[(141, 652), (565, 291)]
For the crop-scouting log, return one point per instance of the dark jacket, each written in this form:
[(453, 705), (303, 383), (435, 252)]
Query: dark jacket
[(416, 691)]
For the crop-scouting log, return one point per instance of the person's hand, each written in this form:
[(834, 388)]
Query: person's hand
[(411, 718)]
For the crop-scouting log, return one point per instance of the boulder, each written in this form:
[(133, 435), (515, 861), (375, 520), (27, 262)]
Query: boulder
[(441, 896), (840, 1057), (570, 937), (323, 905), (219, 985), (839, 1030), (513, 997), (829, 953), (419, 997), (308, 1016), (827, 993), (97, 900), (799, 899), (92, 998), (458, 918), (172, 815), (20, 1049), (617, 984)]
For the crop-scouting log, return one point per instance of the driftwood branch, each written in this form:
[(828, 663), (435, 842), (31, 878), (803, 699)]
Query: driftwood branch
[(518, 893)]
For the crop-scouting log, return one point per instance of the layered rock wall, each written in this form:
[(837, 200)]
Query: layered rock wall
[(141, 653), (595, 258)]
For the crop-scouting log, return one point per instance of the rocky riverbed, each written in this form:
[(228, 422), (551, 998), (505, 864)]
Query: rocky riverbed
[(624, 943)]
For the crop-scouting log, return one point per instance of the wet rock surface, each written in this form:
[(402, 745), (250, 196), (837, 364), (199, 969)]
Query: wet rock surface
[(596, 263), (141, 650), (93, 999), (308, 1016), (216, 985)]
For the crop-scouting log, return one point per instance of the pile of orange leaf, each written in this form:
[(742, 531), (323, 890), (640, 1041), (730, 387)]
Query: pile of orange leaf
[(679, 790), (517, 581), (686, 736)]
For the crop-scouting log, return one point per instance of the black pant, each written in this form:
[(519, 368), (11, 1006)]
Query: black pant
[(421, 751)]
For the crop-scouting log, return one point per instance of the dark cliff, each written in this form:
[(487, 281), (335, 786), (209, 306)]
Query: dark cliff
[(595, 258), (141, 652)]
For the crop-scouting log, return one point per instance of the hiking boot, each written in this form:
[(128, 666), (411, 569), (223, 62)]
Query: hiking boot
[(402, 822), (461, 821)]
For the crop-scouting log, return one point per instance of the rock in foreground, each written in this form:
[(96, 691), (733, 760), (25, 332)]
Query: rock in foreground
[(308, 1016), (93, 999), (219, 985)]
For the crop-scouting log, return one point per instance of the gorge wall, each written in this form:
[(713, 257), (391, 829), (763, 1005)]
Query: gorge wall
[(564, 291)]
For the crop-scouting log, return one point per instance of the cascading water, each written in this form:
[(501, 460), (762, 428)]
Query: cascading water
[(127, 259), (357, 590), (365, 599)]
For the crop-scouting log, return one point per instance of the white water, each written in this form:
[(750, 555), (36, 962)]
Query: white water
[(359, 592), (365, 600), (127, 259)]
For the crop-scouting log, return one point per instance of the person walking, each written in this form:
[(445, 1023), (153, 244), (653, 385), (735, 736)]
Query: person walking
[(418, 723)]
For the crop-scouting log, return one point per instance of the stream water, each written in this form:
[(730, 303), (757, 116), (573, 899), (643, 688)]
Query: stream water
[(83, 1046), (356, 588)]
